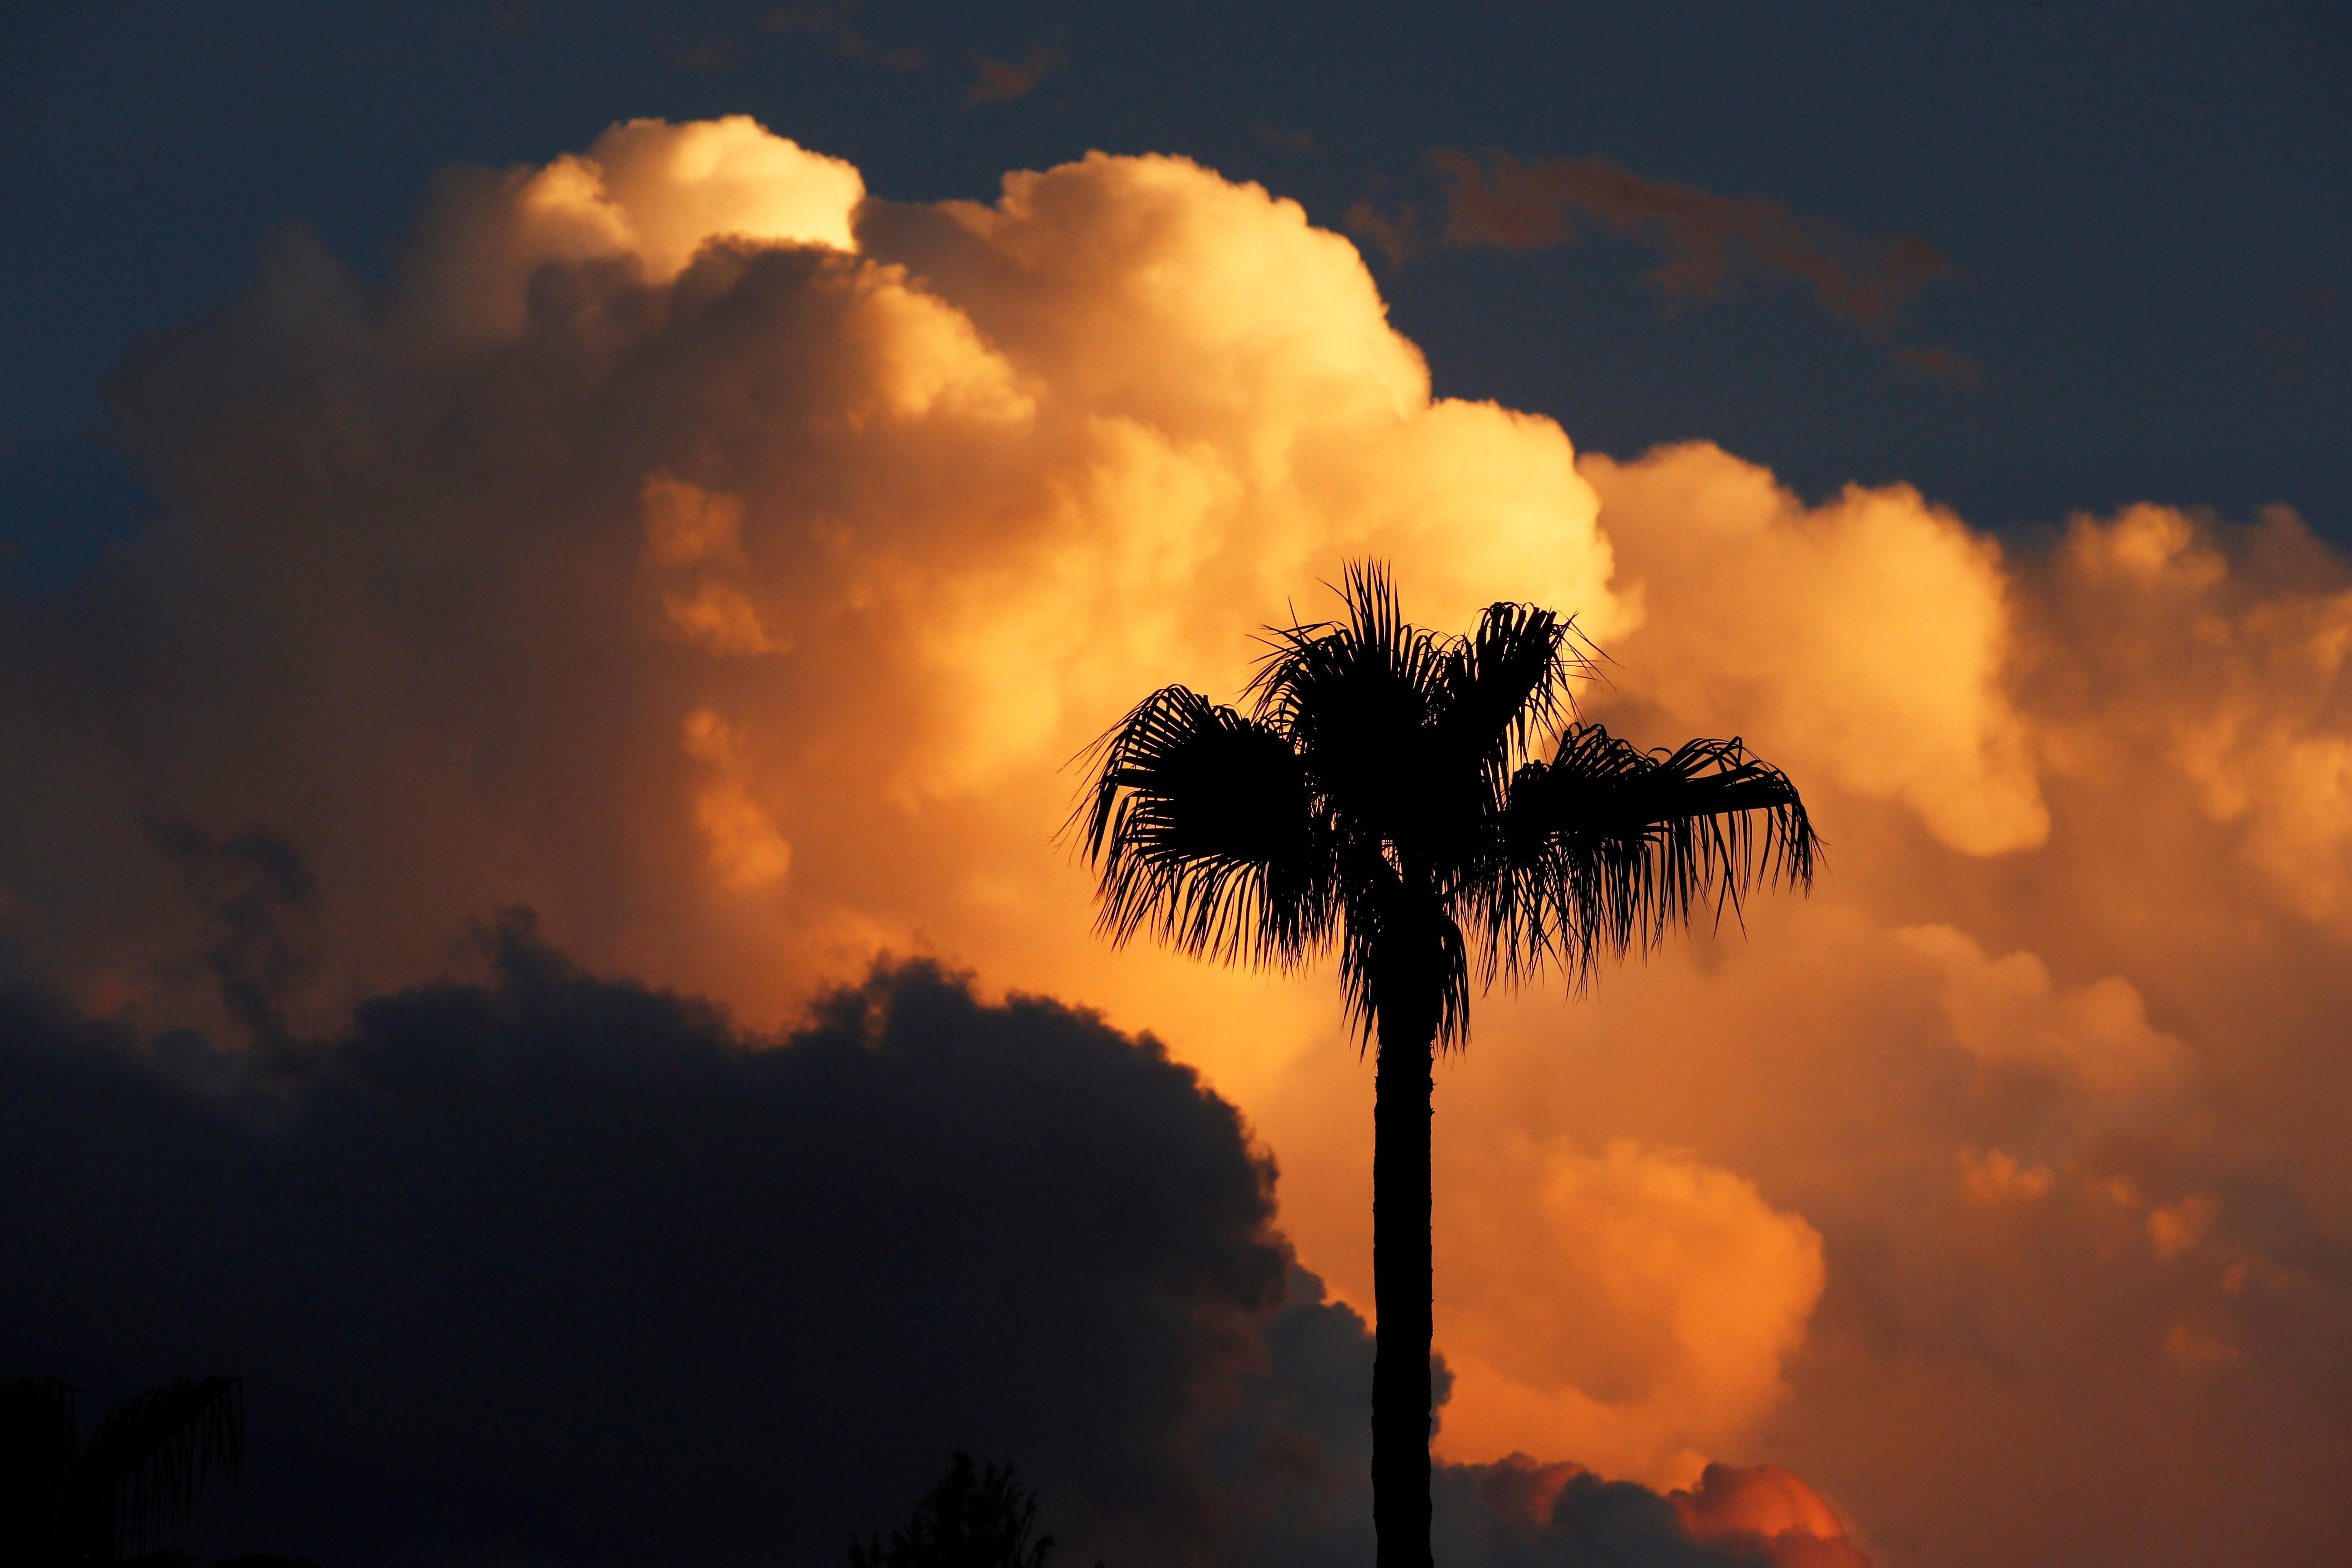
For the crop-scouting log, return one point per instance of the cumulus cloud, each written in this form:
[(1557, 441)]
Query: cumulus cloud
[(1863, 639), (725, 561), (644, 190), (2228, 673), (1756, 1517), (2098, 1036), (1630, 1307), (860, 543)]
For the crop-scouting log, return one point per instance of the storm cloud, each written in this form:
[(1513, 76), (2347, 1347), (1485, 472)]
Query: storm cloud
[(544, 1266), (555, 1266)]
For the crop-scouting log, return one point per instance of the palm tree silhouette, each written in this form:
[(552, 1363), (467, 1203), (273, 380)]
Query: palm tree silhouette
[(1382, 795), (68, 1500)]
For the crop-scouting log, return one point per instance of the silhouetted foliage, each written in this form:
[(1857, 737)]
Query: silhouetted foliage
[(66, 1500), (1385, 795), (971, 1519)]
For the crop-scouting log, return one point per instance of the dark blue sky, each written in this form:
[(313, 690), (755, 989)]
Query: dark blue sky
[(2146, 209)]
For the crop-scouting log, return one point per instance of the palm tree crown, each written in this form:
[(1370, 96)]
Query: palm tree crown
[(1384, 791)]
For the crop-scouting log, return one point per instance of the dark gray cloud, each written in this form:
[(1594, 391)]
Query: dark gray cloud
[(1000, 81), (554, 1268), (255, 891), (1704, 241)]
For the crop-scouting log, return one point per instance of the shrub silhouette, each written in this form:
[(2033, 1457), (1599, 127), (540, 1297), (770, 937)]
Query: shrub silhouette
[(972, 1517)]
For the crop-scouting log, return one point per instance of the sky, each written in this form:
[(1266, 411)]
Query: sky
[(556, 560)]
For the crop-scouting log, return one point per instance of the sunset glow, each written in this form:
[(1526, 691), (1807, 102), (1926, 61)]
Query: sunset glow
[(725, 561)]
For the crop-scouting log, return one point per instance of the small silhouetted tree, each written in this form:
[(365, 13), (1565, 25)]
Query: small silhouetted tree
[(104, 1498), (1387, 796), (973, 1517)]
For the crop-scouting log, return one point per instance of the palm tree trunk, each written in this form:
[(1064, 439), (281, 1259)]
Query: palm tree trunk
[(1403, 1088)]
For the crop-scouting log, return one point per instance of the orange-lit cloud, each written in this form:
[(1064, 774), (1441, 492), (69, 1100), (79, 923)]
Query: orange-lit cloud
[(725, 562), (1633, 1305), (1759, 1513), (1764, 1509), (1866, 637)]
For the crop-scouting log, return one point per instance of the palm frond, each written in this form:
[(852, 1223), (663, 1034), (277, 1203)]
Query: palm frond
[(1504, 685), (1200, 823), (39, 1434), (1608, 846), (139, 1473), (1371, 664)]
